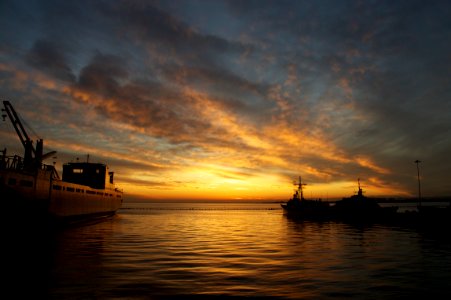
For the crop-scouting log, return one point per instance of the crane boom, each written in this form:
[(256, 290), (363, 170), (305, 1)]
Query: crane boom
[(20, 130), (33, 156)]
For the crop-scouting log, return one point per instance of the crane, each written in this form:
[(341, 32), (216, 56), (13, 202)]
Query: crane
[(32, 156)]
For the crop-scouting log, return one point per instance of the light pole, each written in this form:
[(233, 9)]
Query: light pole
[(419, 186)]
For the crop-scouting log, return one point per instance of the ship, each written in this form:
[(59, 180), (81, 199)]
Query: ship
[(303, 208), (354, 208), (85, 190), (361, 208)]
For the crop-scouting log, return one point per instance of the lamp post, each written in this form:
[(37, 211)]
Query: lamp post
[(419, 185)]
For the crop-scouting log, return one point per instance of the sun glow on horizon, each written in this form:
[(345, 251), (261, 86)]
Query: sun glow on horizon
[(210, 186), (201, 112)]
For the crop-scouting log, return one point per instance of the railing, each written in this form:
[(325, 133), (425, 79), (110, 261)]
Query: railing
[(11, 163), (16, 163)]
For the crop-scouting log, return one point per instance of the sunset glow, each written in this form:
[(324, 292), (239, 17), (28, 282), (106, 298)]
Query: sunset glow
[(235, 103)]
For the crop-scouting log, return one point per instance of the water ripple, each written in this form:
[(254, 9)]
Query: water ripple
[(244, 253)]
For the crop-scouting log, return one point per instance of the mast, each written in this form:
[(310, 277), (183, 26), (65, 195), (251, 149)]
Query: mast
[(419, 185), (360, 192), (300, 184)]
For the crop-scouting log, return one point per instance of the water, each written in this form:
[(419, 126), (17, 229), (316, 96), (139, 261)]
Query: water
[(160, 251)]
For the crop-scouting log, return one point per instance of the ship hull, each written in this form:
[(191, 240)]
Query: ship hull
[(345, 210), (36, 194), (307, 209)]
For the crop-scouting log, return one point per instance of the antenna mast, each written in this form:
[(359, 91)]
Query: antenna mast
[(419, 186), (300, 184)]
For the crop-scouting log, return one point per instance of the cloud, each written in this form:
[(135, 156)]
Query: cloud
[(45, 56), (161, 32), (332, 90)]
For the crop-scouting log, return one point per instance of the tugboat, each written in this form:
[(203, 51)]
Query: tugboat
[(86, 190), (361, 208), (303, 208)]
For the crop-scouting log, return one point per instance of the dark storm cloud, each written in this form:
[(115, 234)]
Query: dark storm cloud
[(215, 79), (169, 35), (103, 74), (48, 58), (183, 56), (228, 88), (147, 105), (150, 106)]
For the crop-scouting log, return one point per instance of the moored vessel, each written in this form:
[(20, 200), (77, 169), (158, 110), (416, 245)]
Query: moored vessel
[(305, 208), (354, 208), (361, 208), (85, 191)]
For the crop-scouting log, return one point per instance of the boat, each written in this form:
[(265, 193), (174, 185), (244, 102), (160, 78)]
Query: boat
[(305, 208), (86, 190), (361, 208), (354, 208)]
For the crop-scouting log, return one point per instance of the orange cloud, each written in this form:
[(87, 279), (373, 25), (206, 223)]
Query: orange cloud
[(367, 163)]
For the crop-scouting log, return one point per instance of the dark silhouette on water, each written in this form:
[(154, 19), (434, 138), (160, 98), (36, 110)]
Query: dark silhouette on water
[(32, 189), (355, 208), (308, 209), (361, 208)]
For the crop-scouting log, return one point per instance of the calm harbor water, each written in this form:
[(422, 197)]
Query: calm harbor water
[(199, 250)]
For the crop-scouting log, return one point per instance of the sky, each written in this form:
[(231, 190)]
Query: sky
[(234, 100)]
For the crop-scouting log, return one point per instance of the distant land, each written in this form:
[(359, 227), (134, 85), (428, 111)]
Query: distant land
[(409, 200), (378, 199)]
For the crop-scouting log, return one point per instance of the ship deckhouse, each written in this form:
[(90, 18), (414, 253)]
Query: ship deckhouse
[(94, 175)]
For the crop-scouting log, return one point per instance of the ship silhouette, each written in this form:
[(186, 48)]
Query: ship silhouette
[(361, 208), (354, 208), (306, 208), (35, 190)]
